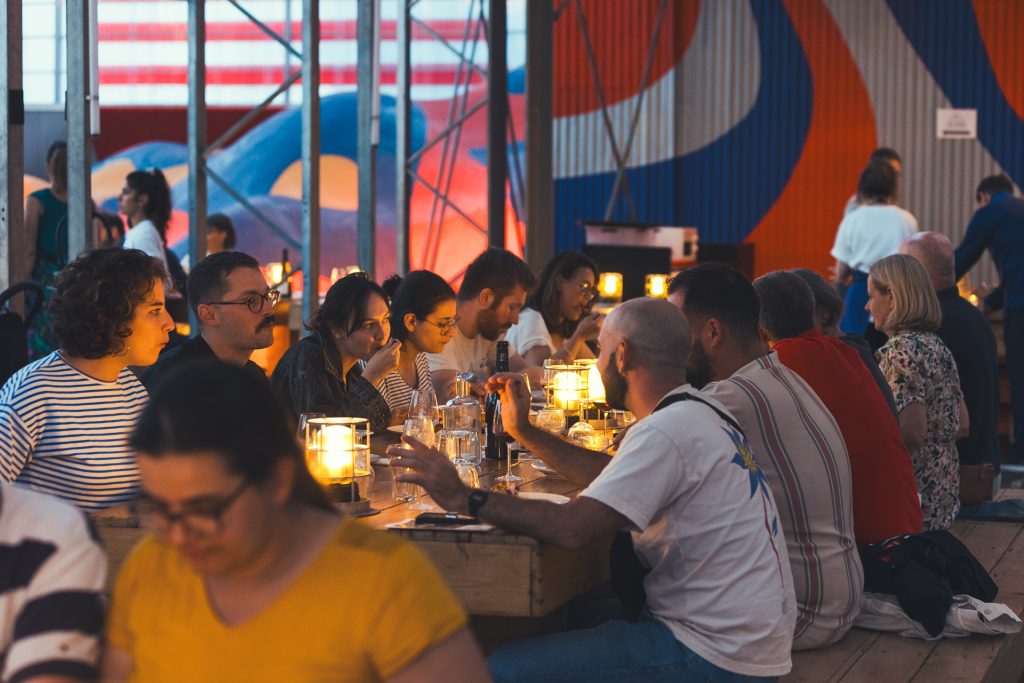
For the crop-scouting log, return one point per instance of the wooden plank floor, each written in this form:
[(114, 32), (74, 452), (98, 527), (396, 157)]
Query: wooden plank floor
[(873, 657)]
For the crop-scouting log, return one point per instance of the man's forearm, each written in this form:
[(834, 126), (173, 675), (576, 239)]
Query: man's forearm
[(579, 465)]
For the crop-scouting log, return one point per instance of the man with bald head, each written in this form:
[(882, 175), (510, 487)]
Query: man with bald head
[(719, 593), (969, 338)]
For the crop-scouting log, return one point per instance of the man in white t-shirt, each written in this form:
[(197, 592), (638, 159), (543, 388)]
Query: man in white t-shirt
[(493, 292), (719, 593)]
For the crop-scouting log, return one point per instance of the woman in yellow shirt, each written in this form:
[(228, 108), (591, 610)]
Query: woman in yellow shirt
[(253, 575)]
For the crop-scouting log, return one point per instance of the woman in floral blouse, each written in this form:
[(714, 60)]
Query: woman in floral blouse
[(924, 381)]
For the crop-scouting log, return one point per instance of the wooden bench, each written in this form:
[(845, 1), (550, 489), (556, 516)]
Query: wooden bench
[(875, 657)]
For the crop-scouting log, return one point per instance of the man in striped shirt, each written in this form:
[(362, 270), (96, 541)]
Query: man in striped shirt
[(794, 439), (52, 570)]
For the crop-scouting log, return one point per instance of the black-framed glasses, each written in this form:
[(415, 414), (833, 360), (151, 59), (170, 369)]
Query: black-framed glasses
[(255, 302), (202, 520), (445, 327)]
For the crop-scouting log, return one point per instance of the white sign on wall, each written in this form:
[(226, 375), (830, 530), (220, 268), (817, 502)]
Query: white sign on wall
[(956, 124)]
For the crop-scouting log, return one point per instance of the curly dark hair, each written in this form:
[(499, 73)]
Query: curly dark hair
[(96, 298)]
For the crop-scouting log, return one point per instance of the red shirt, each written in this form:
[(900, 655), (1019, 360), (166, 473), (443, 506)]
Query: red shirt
[(885, 501)]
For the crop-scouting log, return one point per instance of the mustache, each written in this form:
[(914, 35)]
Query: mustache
[(268, 321)]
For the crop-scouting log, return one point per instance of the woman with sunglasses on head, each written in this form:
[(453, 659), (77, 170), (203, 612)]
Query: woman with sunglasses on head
[(65, 419), (422, 319), (322, 373), (557, 322), (252, 575)]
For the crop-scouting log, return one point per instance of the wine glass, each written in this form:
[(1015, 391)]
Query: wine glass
[(508, 480), (551, 420), (304, 419), (421, 429)]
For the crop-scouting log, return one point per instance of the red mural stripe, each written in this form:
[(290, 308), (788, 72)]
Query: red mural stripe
[(800, 227), (999, 24), (269, 75)]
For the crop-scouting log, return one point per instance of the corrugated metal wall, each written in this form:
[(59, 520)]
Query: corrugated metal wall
[(762, 114)]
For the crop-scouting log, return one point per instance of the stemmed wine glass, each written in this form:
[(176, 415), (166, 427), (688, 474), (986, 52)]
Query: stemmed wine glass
[(498, 427), (304, 419), (423, 404)]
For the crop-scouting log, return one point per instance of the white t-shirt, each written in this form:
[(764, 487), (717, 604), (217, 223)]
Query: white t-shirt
[(872, 232), (706, 523), (462, 354), (145, 237), (530, 332)]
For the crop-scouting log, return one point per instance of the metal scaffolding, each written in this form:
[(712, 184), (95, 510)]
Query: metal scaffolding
[(12, 136), (200, 152)]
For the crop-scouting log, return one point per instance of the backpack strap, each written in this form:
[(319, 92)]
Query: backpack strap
[(684, 396)]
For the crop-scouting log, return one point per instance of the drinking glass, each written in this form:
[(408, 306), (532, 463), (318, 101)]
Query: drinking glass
[(423, 403), (421, 429), (508, 481), (304, 419), (551, 420), (460, 444)]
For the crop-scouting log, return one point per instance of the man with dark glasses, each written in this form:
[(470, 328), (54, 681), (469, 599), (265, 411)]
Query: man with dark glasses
[(235, 309)]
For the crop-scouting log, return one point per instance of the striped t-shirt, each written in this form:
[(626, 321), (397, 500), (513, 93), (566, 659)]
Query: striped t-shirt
[(66, 434), (52, 572), (394, 389)]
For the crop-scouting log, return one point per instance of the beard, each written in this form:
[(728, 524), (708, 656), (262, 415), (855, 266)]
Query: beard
[(698, 367), (615, 386), (488, 325)]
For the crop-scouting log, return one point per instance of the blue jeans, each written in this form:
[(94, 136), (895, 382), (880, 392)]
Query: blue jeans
[(614, 652), (1013, 335), (855, 318)]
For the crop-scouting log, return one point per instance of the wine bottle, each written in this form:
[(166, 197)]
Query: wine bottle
[(494, 447), (286, 273)]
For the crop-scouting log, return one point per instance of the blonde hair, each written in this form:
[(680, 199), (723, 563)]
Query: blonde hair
[(915, 307)]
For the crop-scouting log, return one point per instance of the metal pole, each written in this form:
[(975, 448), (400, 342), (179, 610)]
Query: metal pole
[(540, 204), (497, 93), (196, 132), (79, 170), (310, 157), (366, 21), (403, 137), (12, 148)]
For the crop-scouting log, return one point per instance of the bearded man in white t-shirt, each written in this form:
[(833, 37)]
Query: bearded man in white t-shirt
[(719, 594), (492, 294)]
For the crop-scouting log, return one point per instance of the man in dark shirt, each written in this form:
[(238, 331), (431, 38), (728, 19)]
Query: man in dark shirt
[(235, 309), (998, 225), (968, 335)]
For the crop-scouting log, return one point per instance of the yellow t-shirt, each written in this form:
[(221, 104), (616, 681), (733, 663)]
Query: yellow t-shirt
[(367, 607)]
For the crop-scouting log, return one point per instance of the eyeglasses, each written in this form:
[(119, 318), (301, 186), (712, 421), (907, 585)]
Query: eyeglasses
[(588, 290), (443, 328), (199, 522), (255, 302)]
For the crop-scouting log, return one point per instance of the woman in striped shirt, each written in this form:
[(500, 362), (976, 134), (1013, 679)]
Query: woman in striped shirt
[(422, 319), (65, 419)]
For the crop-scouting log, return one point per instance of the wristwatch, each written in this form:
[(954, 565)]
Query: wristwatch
[(477, 498)]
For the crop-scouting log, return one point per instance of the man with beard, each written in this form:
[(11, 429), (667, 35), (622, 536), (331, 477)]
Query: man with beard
[(235, 309), (795, 441), (493, 292), (719, 594)]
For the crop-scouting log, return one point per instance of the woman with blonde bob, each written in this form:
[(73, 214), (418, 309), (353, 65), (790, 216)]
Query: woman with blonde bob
[(924, 381)]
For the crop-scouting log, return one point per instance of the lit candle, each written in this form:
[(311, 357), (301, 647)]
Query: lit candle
[(566, 388), (610, 285), (656, 286), (337, 452), (595, 387)]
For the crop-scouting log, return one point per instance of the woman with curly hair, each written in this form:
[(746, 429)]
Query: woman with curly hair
[(65, 418)]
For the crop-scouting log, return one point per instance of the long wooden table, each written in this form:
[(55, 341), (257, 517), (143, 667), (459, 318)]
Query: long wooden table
[(493, 573)]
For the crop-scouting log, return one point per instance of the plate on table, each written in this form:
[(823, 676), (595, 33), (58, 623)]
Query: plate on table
[(550, 497), (541, 467)]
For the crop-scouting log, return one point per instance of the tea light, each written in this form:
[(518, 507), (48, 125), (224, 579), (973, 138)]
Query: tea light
[(656, 286), (609, 285), (567, 390), (337, 452)]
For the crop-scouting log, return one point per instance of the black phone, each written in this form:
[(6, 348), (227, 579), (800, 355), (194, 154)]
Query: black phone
[(445, 519)]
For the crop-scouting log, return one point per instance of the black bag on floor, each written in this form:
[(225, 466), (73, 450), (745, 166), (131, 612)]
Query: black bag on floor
[(924, 571), (13, 330)]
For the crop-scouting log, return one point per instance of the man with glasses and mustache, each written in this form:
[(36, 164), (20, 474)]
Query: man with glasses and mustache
[(235, 309)]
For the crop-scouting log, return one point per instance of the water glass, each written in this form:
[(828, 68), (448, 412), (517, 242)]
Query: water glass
[(551, 420), (421, 429), (304, 419), (460, 444), (402, 491), (423, 403)]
